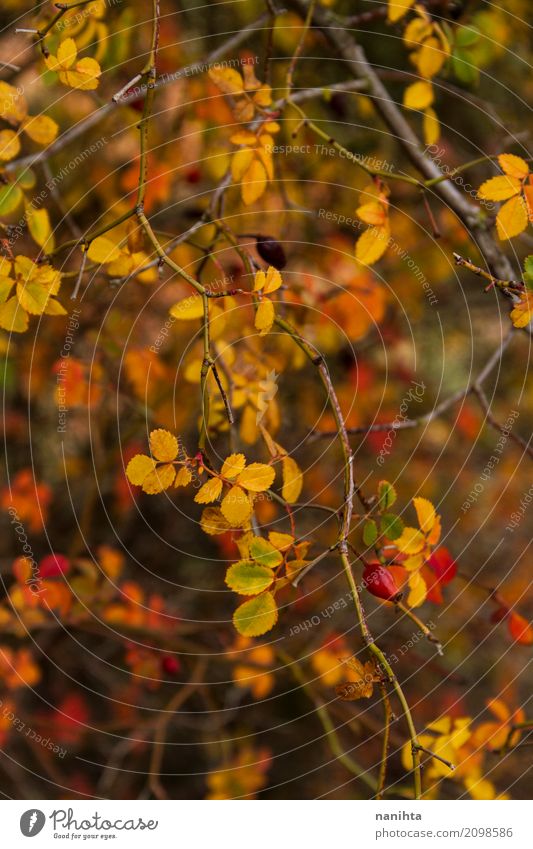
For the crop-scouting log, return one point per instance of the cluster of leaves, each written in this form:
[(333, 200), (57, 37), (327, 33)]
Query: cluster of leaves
[(230, 355), (514, 187), (236, 487), (374, 210), (252, 164), (35, 287), (429, 49), (406, 551)]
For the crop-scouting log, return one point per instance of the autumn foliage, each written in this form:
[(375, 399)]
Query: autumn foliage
[(266, 305)]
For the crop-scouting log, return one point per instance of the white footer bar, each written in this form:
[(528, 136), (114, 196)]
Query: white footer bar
[(268, 824)]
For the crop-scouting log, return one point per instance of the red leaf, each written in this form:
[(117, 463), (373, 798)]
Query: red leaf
[(443, 565), (520, 629), (53, 565)]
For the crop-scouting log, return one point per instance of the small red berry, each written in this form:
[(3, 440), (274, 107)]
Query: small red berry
[(171, 665), (379, 582)]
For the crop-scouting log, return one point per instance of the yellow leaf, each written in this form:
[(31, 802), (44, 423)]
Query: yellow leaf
[(33, 296), (273, 280), (248, 429), (522, 313), (254, 182), (417, 590), (161, 478), (183, 477), (425, 513), (263, 97), (419, 95), (280, 541), (259, 281), (431, 127), (236, 507), (103, 250), (9, 145), (361, 683), (398, 8), (512, 218), (41, 129), (209, 491), (256, 616), (39, 227), (233, 466), (372, 244), (84, 76), (13, 317), (243, 110), (415, 561), (257, 477), (264, 317), (263, 552), (251, 83), (53, 307), (67, 52), (267, 160), (499, 188), (244, 137), (411, 541), (138, 468), (372, 212), (528, 195), (292, 480), (13, 108), (163, 445), (213, 522), (227, 80), (293, 567), (190, 308), (434, 534), (513, 166), (416, 31), (240, 162), (430, 58)]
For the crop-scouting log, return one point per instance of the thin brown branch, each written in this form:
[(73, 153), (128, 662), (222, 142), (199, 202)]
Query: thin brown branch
[(173, 706)]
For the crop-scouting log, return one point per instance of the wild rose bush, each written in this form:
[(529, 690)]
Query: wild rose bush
[(266, 305)]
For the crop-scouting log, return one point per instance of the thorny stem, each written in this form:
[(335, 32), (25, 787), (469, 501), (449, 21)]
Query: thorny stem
[(374, 649), (350, 490), (473, 388), (158, 751), (62, 8), (423, 627), (503, 285), (340, 148), (299, 48), (437, 757), (387, 718)]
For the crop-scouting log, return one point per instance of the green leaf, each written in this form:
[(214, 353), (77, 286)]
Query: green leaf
[(391, 525), (256, 616), (248, 578), (10, 198), (463, 68), (264, 552), (25, 179), (370, 533), (386, 495), (528, 272), (466, 36)]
